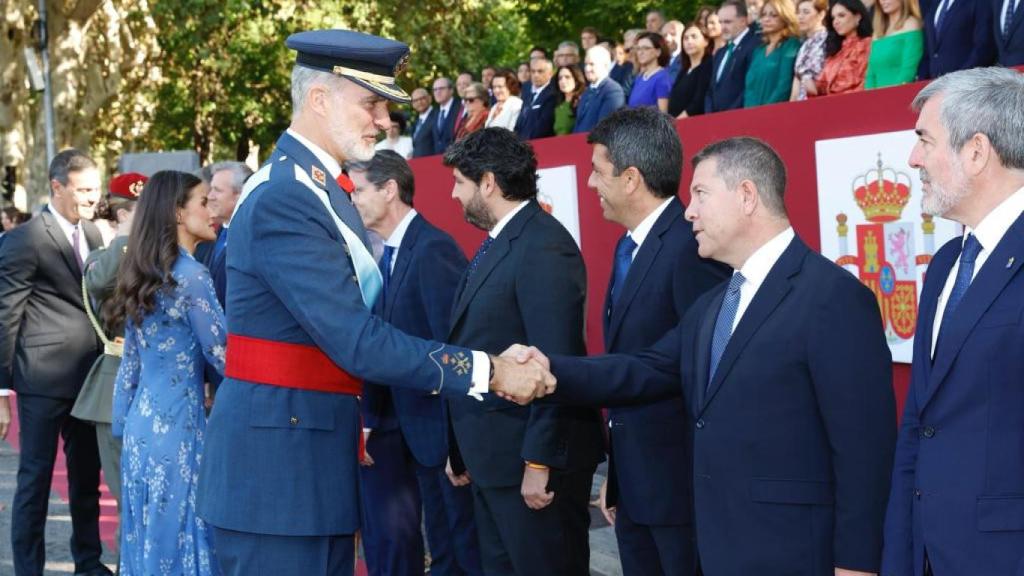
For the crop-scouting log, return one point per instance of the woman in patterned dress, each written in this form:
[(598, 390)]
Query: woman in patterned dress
[(173, 325)]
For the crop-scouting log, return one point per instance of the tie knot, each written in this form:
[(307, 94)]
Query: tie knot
[(971, 249), (626, 246), (736, 282)]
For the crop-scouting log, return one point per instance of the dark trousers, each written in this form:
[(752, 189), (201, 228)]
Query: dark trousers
[(394, 491), (654, 550), (553, 541), (248, 554), (43, 420)]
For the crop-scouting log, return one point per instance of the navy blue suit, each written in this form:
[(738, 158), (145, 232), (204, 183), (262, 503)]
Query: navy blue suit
[(423, 136), (726, 93), (649, 470), (279, 478), (537, 120), (1010, 50), (965, 40), (793, 438), (958, 480), (409, 443), (530, 286), (444, 129), (596, 103)]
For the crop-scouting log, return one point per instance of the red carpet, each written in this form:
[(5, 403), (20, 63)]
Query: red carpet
[(108, 507)]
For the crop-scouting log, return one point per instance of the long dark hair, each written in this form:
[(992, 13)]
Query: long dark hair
[(658, 41), (152, 248), (581, 84), (834, 42)]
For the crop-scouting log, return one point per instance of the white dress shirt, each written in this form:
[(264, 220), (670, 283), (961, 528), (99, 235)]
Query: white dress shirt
[(1002, 14), (989, 233), (757, 267), (395, 240), (639, 234)]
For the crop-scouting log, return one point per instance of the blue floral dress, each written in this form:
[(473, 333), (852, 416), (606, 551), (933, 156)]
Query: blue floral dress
[(158, 410)]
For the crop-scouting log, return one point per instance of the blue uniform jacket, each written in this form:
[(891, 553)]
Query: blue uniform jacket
[(281, 460), (958, 480), (423, 282)]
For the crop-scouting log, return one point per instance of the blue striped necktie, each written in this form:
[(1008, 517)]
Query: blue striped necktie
[(723, 325), (964, 275)]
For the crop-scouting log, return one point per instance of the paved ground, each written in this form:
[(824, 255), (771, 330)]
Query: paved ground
[(603, 555)]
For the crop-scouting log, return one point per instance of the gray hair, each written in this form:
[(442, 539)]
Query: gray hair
[(240, 172), (987, 101), (304, 78), (600, 58), (570, 45), (746, 158)]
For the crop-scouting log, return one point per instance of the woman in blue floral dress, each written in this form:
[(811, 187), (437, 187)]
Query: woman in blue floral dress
[(173, 325)]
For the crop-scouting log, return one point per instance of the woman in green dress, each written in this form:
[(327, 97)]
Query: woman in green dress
[(571, 84), (898, 45), (770, 76)]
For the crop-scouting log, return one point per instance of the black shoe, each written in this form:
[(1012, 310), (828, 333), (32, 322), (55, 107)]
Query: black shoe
[(98, 571)]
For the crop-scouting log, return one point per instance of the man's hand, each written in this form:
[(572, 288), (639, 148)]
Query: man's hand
[(5, 416), (367, 459), (520, 382), (845, 572), (535, 487), (457, 479), (523, 354), (602, 498)]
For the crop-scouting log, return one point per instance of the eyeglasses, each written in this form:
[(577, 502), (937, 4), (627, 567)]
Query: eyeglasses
[(471, 99), (643, 48)]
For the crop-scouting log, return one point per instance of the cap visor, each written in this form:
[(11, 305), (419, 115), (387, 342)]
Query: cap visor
[(392, 92)]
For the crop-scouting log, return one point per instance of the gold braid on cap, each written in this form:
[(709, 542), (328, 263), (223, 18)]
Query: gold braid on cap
[(365, 76)]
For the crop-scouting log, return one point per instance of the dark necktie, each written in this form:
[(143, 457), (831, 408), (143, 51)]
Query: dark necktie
[(440, 118), (623, 259), (941, 17), (385, 271), (1008, 18), (76, 246), (964, 275), (723, 325), (478, 256), (725, 61)]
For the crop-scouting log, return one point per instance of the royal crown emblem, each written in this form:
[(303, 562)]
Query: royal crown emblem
[(885, 260), (135, 188), (402, 64)]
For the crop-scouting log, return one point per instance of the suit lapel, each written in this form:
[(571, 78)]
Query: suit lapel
[(645, 257), (772, 291), (339, 199), (498, 250), (405, 254), (1001, 266), (53, 229)]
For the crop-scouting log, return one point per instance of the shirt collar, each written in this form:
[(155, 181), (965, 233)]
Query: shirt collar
[(395, 240), (738, 39), (536, 91), (760, 263), (332, 165), (426, 114), (505, 219), (446, 106), (597, 84), (993, 226), (64, 223), (639, 234)]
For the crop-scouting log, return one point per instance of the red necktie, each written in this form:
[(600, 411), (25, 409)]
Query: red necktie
[(346, 183)]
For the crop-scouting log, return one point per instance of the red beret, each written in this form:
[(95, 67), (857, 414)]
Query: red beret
[(128, 185)]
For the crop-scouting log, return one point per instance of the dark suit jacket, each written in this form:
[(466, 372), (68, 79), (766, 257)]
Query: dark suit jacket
[(1011, 50), (965, 41), (47, 344), (418, 302), (597, 103), (649, 463), (423, 136), (537, 120), (690, 90), (793, 439), (444, 134), (727, 92), (958, 478), (530, 287)]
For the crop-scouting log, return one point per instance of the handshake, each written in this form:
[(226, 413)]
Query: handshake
[(521, 374)]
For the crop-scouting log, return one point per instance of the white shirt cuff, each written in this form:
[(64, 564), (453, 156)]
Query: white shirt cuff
[(481, 378), (5, 392)]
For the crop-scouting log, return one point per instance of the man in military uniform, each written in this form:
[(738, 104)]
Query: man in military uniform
[(279, 482)]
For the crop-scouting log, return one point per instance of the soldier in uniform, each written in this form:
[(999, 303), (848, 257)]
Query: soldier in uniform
[(279, 480)]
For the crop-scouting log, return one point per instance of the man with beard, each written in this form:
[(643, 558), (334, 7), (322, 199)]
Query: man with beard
[(279, 479), (530, 467), (46, 349), (957, 499)]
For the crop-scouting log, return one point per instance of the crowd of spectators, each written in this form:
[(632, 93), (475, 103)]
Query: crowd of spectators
[(739, 54)]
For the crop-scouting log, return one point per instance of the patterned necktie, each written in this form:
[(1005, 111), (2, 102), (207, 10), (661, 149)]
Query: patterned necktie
[(478, 256), (623, 259), (964, 275), (1008, 18), (76, 246), (723, 325), (385, 272)]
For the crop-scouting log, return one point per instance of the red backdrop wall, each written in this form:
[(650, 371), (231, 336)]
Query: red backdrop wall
[(791, 128)]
